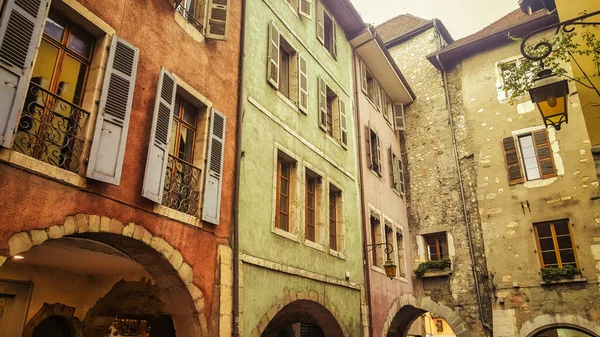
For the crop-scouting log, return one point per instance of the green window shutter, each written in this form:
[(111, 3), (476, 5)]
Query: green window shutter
[(158, 147), (211, 202), (110, 134), (322, 104), (399, 117), (343, 124), (513, 164), (302, 84), (273, 56), (21, 27), (305, 8), (217, 19)]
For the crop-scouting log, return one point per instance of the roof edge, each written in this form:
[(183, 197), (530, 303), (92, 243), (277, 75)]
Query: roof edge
[(430, 24)]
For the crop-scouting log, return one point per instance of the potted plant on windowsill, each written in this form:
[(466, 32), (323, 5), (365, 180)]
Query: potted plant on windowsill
[(557, 274), (434, 268)]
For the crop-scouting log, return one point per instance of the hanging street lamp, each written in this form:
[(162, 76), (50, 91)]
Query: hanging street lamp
[(389, 266), (550, 94)]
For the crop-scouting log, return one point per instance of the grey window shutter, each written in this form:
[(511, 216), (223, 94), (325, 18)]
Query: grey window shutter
[(363, 76), (21, 27), (401, 174), (334, 39), (370, 151), (394, 169), (322, 104), (273, 56), (112, 124), (211, 204), (343, 124), (217, 19), (158, 148), (320, 24), (302, 84), (305, 8), (398, 117), (379, 168)]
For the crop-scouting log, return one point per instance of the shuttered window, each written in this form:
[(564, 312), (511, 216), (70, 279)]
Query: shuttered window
[(528, 157), (273, 56), (326, 31), (218, 19), (511, 157), (399, 123), (302, 84), (305, 8), (375, 151), (213, 183)]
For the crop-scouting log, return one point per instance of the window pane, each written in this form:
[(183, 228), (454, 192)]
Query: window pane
[(55, 26), (533, 174), (530, 163), (528, 152), (44, 65), (311, 216), (283, 188), (173, 140), (544, 230), (177, 108), (310, 200), (561, 228), (526, 141), (186, 144), (283, 207), (283, 222), (72, 77), (549, 258), (310, 233), (285, 170), (547, 244), (189, 114), (567, 256), (81, 43), (564, 242)]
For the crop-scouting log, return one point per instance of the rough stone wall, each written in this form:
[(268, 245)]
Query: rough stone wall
[(434, 195)]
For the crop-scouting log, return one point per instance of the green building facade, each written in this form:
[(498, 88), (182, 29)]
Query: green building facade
[(300, 239)]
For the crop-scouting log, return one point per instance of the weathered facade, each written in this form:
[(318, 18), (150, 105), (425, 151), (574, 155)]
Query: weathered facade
[(117, 135), (299, 219)]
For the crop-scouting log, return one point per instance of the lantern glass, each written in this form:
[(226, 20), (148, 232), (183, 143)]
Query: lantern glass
[(390, 268)]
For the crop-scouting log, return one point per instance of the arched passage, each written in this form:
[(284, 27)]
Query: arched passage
[(304, 315), (549, 326), (91, 235)]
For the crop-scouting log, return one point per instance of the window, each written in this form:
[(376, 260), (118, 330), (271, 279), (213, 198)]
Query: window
[(397, 172), (326, 30), (401, 269), (331, 110), (332, 114), (388, 107), (207, 16), (282, 217), (555, 244), (311, 204), (335, 216), (375, 239), (52, 126), (284, 72), (533, 156), (437, 246), (505, 70), (389, 236), (375, 152), (372, 89)]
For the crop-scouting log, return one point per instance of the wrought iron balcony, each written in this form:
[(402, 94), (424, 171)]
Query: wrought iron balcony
[(189, 16), (182, 188), (51, 129)]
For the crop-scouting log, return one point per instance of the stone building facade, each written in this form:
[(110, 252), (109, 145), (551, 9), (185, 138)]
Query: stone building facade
[(300, 251), (116, 166)]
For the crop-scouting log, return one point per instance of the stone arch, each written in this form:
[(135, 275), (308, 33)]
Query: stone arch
[(544, 322), (54, 310), (292, 303), (407, 308), (162, 261)]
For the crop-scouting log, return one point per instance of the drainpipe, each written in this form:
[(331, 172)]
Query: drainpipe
[(488, 328), (362, 200), (235, 331)]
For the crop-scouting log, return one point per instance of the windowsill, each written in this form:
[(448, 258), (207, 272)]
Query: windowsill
[(378, 269), (566, 281), (285, 234), (372, 103), (288, 101), (189, 28), (380, 176), (334, 140), (294, 10), (315, 245), (328, 52), (178, 216), (45, 169), (437, 273), (401, 279), (337, 254)]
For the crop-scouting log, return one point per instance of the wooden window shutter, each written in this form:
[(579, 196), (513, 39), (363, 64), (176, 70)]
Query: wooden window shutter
[(322, 104), (21, 27), (320, 24), (399, 117), (544, 154), (114, 110), (343, 124), (393, 169), (211, 203), (273, 56), (217, 19), (513, 164), (305, 8), (364, 85), (302, 84), (158, 148)]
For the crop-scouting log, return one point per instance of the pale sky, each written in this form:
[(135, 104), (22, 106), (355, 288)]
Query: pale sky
[(461, 17)]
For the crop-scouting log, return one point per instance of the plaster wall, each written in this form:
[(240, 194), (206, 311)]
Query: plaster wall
[(32, 201), (272, 123), (508, 212), (379, 195), (434, 198)]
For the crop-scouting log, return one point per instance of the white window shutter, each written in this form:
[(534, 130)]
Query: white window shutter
[(370, 153), (394, 169), (322, 104), (343, 124), (211, 203), (398, 117), (379, 168), (305, 8), (114, 111), (217, 19), (321, 24), (158, 147), (302, 84), (334, 39), (401, 174), (363, 77), (273, 56), (21, 27)]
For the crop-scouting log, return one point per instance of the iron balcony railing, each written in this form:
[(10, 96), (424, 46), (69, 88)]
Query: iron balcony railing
[(51, 129), (189, 16), (182, 192)]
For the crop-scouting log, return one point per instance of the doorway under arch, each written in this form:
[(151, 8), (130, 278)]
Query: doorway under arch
[(303, 318)]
